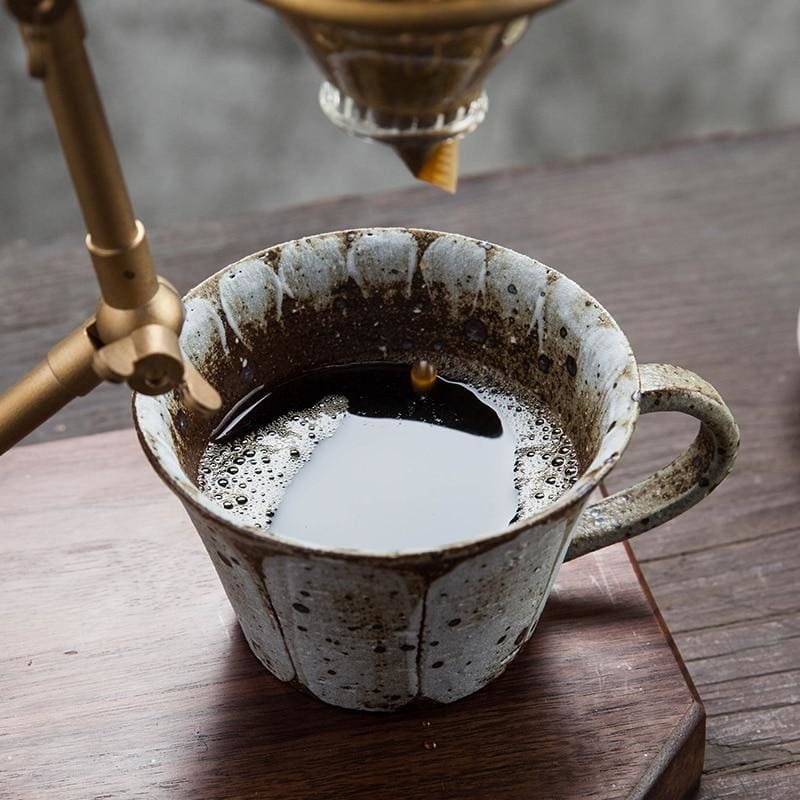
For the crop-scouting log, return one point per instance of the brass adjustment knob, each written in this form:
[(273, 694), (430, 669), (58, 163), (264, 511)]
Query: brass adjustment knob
[(143, 350), (149, 359)]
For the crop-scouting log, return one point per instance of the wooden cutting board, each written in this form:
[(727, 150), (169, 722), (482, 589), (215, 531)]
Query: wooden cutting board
[(123, 673)]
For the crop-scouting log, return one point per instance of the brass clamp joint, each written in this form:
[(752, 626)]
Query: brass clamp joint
[(125, 274), (140, 346)]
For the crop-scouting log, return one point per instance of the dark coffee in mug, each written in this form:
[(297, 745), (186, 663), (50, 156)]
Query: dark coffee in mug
[(356, 456)]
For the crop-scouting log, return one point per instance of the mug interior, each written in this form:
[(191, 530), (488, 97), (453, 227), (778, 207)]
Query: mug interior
[(398, 295)]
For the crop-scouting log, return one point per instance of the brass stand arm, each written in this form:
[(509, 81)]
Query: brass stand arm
[(134, 335), (65, 374)]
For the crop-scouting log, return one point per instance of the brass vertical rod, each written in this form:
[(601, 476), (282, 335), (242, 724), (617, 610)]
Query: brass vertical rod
[(116, 240)]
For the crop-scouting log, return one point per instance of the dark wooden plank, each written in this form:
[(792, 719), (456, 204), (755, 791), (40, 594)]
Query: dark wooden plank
[(779, 783), (694, 249), (123, 673)]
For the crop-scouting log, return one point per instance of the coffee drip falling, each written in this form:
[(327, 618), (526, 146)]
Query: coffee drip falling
[(409, 74), (423, 376)]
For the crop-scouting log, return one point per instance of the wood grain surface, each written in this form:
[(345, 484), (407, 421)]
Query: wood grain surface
[(695, 250), (124, 674)]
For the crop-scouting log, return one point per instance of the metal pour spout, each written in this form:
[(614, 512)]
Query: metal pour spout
[(409, 73)]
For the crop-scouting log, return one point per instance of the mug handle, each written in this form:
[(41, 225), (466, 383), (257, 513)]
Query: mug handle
[(681, 484)]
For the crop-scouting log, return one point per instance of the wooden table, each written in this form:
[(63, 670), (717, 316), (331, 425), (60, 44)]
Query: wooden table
[(695, 249), (124, 673)]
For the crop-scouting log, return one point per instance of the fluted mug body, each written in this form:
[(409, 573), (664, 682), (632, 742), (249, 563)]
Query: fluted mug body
[(375, 630)]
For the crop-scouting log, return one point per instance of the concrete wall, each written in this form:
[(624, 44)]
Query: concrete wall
[(214, 106)]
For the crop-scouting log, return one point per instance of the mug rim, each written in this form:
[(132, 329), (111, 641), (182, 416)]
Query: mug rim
[(584, 485)]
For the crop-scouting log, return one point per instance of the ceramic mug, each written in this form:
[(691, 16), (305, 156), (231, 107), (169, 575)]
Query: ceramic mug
[(374, 631)]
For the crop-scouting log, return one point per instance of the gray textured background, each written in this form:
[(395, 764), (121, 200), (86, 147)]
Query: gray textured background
[(214, 108)]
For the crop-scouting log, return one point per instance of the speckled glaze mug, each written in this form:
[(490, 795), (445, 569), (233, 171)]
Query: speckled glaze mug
[(372, 631)]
